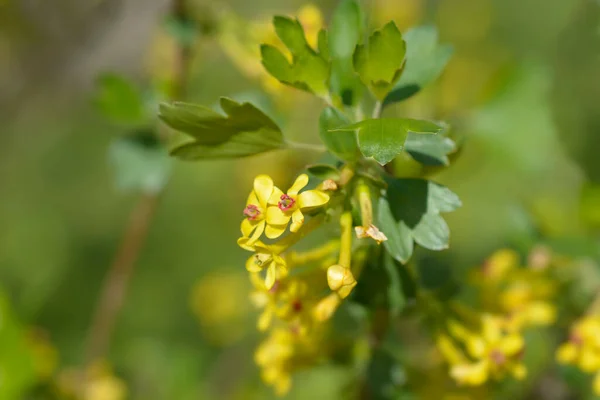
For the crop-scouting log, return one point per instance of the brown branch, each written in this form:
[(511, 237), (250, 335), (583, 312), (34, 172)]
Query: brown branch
[(117, 280)]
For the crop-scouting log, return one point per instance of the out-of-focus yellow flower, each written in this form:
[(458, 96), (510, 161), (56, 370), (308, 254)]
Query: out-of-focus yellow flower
[(219, 302), (583, 348), (274, 356), (284, 207), (97, 383), (241, 42), (490, 354), (326, 307), (499, 264), (253, 224)]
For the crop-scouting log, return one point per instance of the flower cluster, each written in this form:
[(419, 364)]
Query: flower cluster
[(523, 294), (490, 352), (515, 298), (295, 291), (582, 349)]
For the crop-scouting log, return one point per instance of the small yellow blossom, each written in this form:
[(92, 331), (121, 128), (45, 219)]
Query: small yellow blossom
[(265, 258), (274, 356), (284, 207), (254, 222), (583, 348), (326, 307), (499, 263), (491, 353)]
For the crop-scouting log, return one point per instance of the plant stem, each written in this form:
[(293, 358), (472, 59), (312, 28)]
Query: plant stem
[(118, 277), (377, 110), (116, 283), (306, 146)]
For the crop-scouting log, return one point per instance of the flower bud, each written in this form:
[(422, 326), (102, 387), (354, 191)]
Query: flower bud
[(341, 280)]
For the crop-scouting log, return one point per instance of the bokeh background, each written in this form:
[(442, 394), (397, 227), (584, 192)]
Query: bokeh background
[(522, 91)]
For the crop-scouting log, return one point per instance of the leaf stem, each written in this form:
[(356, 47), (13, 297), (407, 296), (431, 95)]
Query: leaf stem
[(377, 110), (306, 146)]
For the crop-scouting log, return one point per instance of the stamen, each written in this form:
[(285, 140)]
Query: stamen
[(297, 306), (286, 202), (251, 212)]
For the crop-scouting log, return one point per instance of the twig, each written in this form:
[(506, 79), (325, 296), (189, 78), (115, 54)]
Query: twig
[(117, 280)]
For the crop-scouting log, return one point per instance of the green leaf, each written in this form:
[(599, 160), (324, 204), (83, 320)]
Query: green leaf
[(395, 295), (411, 208), (119, 100), (384, 138), (429, 149), (16, 355), (400, 239), (345, 32), (324, 171), (140, 163), (342, 144), (309, 70), (243, 131), (425, 61), (379, 63)]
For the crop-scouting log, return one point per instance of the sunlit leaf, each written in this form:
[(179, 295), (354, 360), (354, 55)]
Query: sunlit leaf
[(425, 61), (429, 149), (342, 144), (308, 70), (384, 138), (243, 131), (345, 32), (380, 61)]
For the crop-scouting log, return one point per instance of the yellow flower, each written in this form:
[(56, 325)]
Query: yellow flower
[(340, 280), (284, 207), (326, 307), (583, 347), (499, 263), (494, 352), (273, 356), (265, 258), (254, 221)]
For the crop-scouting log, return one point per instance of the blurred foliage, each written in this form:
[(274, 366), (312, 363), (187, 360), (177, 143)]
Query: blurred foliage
[(520, 96)]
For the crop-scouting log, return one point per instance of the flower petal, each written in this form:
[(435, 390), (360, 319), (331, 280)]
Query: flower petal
[(300, 182), (274, 231), (264, 321), (247, 226), (263, 187), (257, 232), (277, 217), (471, 374), (271, 276), (275, 196), (512, 344), (312, 198), (255, 264), (252, 199), (567, 353), (297, 220)]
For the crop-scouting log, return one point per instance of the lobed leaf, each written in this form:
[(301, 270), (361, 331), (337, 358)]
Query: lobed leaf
[(425, 61), (342, 144), (410, 212), (380, 61), (308, 70), (384, 138), (244, 130)]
